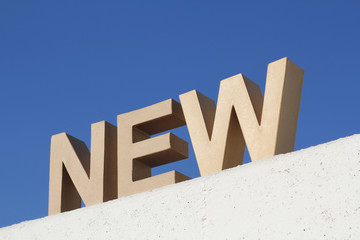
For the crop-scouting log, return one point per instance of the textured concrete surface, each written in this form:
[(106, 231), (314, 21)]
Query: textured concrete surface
[(309, 194)]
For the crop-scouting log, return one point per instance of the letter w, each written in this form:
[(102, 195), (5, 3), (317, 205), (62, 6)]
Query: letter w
[(267, 125)]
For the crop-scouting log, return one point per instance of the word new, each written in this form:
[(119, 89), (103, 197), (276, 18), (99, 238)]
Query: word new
[(122, 156)]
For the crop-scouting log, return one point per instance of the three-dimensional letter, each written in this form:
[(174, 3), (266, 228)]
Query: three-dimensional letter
[(267, 126), (76, 174), (138, 152)]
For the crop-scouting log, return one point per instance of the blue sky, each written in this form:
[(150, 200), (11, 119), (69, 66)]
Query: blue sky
[(67, 64)]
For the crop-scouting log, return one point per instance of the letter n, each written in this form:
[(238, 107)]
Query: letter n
[(76, 174), (266, 125)]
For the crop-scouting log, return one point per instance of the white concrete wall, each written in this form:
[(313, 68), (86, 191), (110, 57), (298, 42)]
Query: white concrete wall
[(309, 194)]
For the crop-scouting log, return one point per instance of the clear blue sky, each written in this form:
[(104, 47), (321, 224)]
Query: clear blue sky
[(67, 64)]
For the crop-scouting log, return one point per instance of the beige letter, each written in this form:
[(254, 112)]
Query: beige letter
[(74, 172), (268, 127), (138, 152)]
